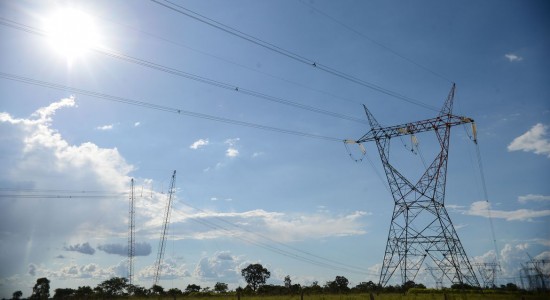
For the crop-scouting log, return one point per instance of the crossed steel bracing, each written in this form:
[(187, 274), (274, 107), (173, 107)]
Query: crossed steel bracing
[(421, 228)]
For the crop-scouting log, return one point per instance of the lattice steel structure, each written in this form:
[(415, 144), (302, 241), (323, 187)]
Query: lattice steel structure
[(162, 242), (488, 273), (131, 234), (420, 226)]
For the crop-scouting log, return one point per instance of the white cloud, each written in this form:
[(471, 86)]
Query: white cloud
[(105, 127), (231, 152), (222, 266), (513, 57), (171, 268), (531, 197), (535, 140), (280, 226), (136, 124), (199, 144), (481, 208), (35, 156), (232, 149)]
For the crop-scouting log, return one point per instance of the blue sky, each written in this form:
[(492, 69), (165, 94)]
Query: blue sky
[(248, 195)]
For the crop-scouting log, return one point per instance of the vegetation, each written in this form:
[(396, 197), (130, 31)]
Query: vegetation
[(256, 275)]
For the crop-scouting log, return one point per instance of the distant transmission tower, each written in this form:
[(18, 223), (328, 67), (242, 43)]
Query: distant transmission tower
[(438, 274), (420, 226), (488, 272), (162, 243), (131, 235)]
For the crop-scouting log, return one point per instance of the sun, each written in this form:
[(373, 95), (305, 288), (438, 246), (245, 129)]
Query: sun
[(71, 33)]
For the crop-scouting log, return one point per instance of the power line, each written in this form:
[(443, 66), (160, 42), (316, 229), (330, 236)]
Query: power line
[(296, 57), (187, 75), (274, 249), (326, 15), (149, 105), (277, 242), (330, 264), (179, 44)]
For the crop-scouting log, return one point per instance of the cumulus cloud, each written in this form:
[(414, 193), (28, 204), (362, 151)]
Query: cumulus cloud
[(481, 208), (105, 127), (513, 57), (531, 197), (36, 156), (535, 140), (81, 248), (171, 268), (222, 266), (199, 144), (141, 249), (232, 150)]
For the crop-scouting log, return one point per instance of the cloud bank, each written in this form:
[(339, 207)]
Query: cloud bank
[(81, 248)]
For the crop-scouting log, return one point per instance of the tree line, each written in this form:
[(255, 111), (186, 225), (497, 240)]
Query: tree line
[(255, 276)]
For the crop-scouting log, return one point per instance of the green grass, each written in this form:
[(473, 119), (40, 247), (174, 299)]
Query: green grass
[(381, 296)]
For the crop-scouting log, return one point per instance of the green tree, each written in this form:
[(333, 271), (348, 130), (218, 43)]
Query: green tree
[(17, 295), (113, 287), (63, 293), (342, 283), (255, 275), (220, 287), (174, 292), (192, 288), (136, 290), (84, 292), (288, 282), (41, 289), (157, 290)]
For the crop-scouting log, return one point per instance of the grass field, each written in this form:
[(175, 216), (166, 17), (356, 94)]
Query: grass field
[(374, 296)]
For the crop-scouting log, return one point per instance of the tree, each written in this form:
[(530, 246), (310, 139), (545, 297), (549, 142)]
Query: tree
[(157, 290), (255, 275), (113, 287), (136, 290), (192, 288), (220, 287), (41, 289), (174, 292), (84, 291), (17, 295), (342, 283), (288, 282), (63, 293)]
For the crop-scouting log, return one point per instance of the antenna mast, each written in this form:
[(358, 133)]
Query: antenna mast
[(420, 226), (162, 243), (131, 234)]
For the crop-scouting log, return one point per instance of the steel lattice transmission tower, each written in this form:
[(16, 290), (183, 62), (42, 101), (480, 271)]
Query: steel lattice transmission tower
[(162, 242), (488, 273), (420, 225), (131, 234)]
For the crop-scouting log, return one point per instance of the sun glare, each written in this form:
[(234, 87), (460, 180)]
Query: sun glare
[(71, 32)]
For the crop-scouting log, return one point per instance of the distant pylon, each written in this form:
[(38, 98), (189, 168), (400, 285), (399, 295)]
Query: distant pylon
[(420, 226), (131, 234), (488, 272), (162, 241)]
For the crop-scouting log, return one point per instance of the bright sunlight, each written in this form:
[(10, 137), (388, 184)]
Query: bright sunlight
[(71, 33)]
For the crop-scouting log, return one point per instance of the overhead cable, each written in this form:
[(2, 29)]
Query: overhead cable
[(235, 32), (326, 15), (194, 77), (162, 108)]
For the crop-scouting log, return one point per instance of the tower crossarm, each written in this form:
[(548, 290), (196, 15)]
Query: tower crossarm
[(439, 122)]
